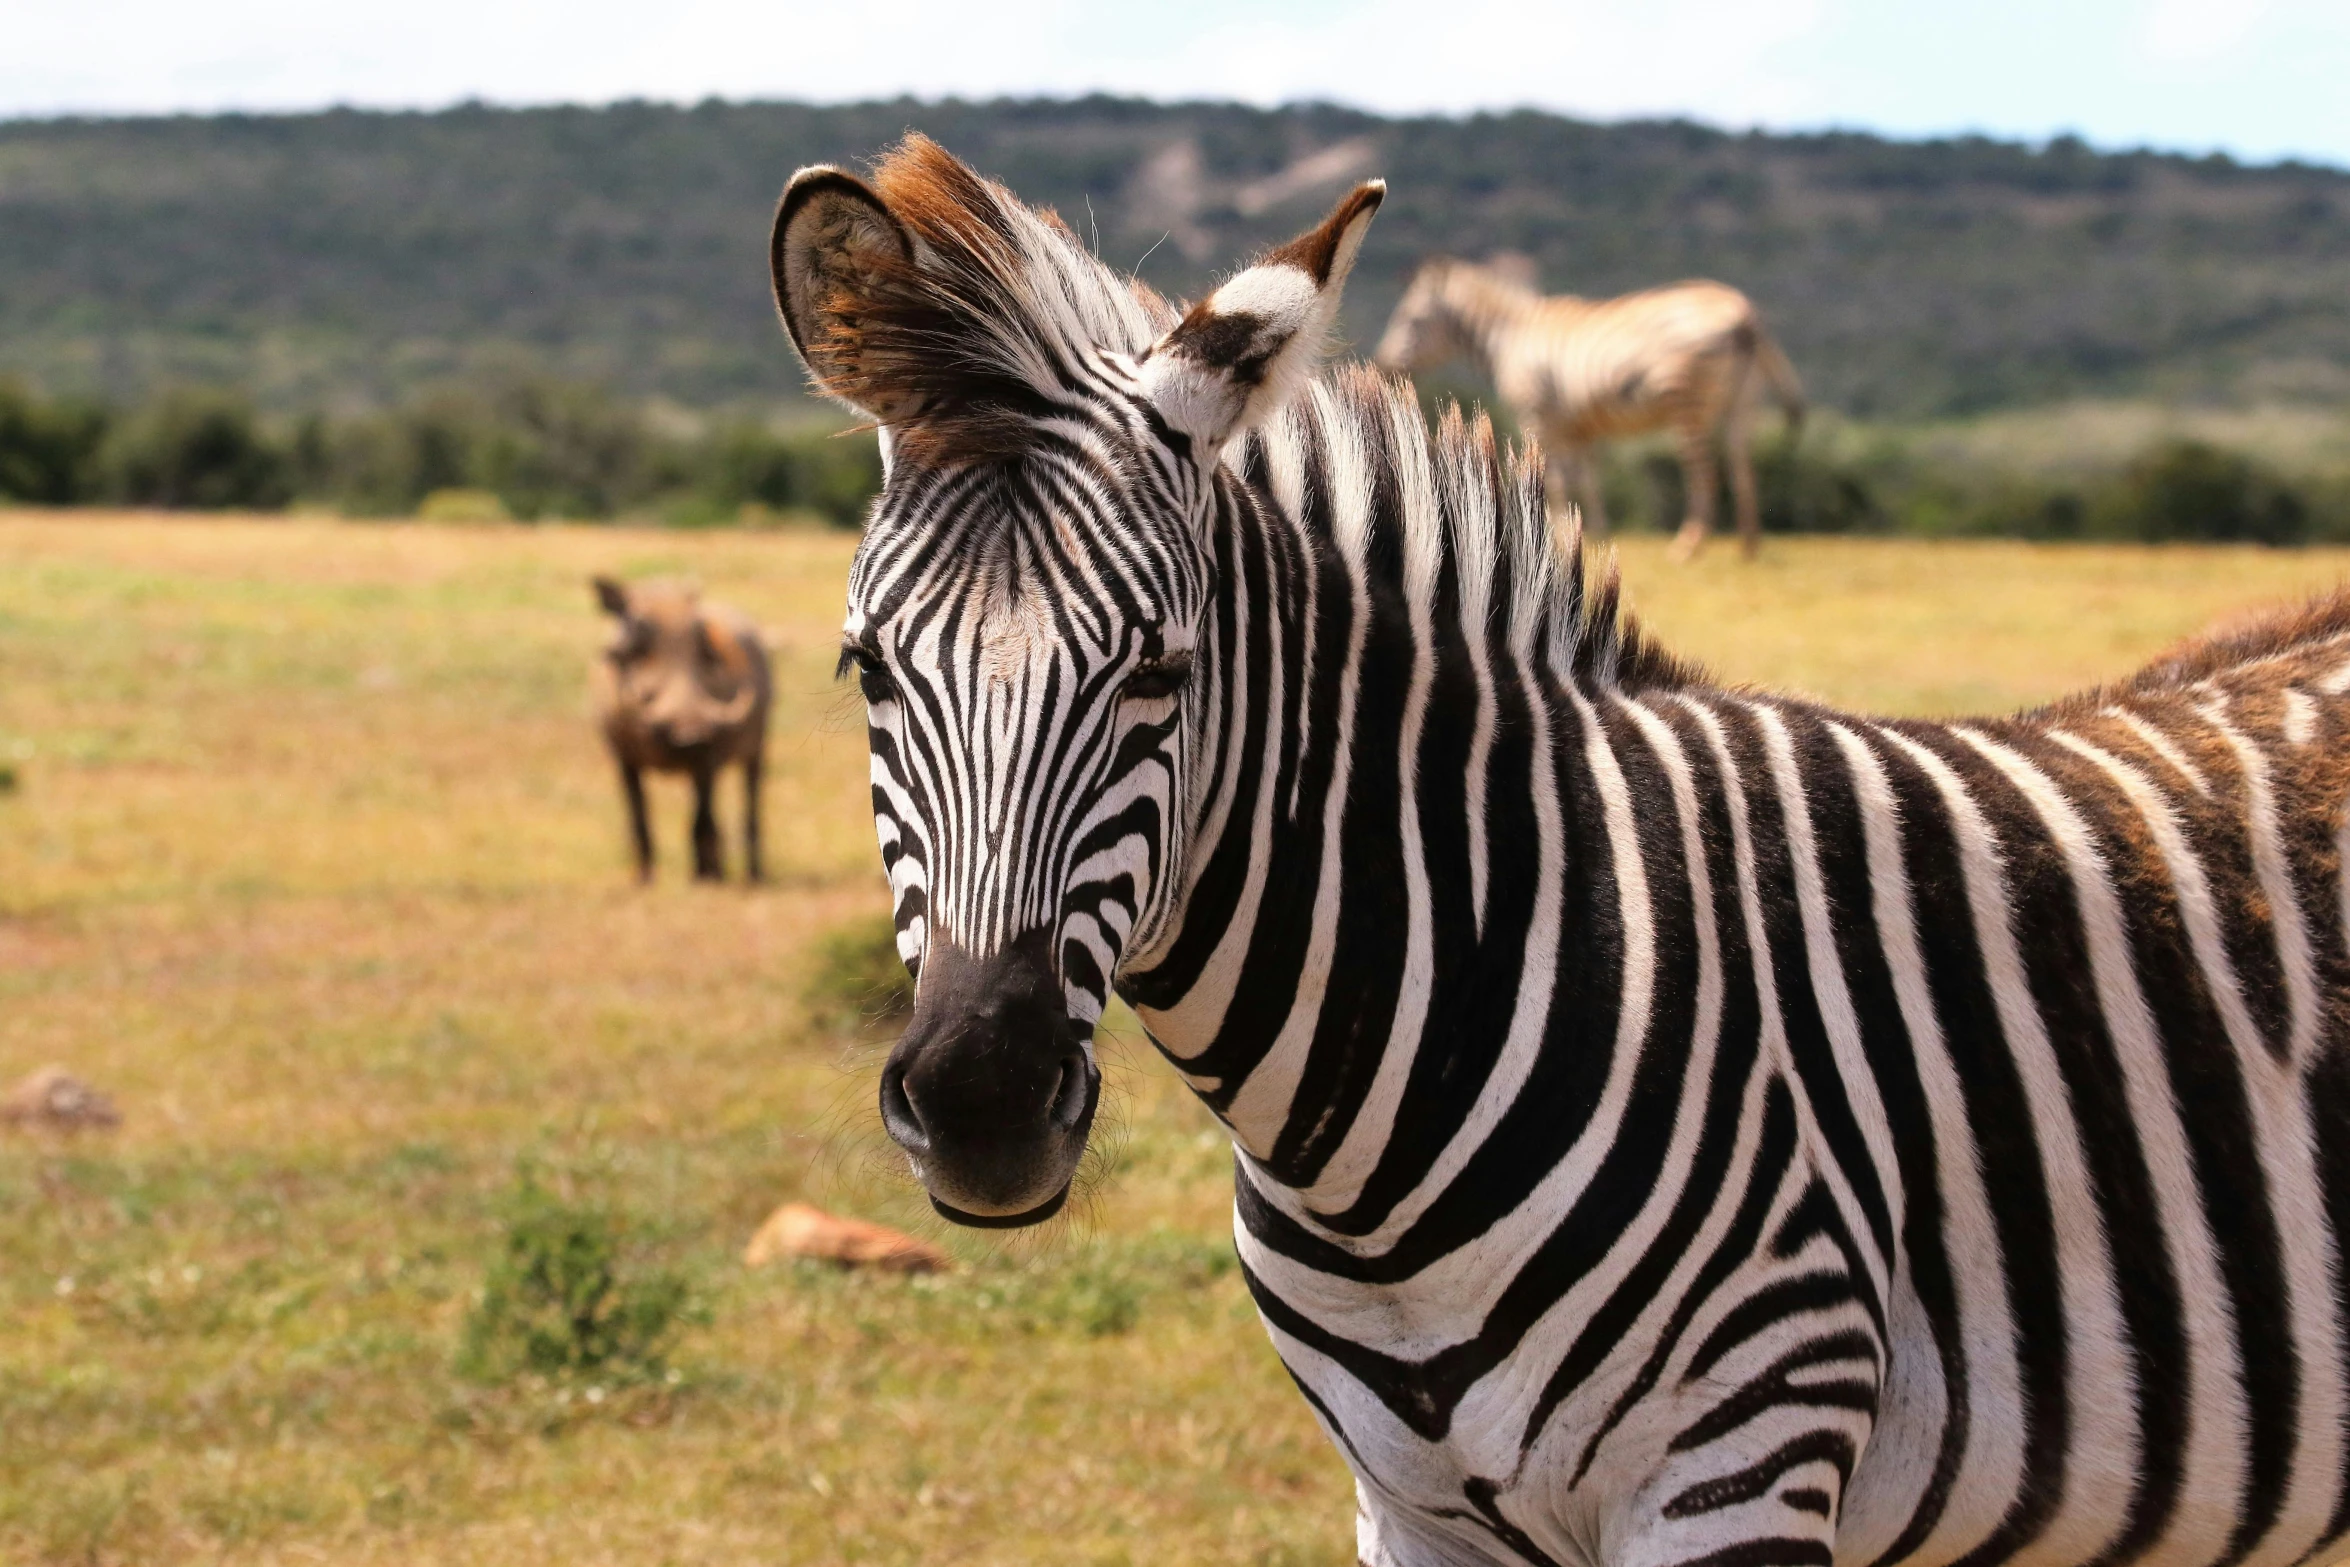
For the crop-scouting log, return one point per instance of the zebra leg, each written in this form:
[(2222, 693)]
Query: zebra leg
[(1697, 484), (1741, 464), (1558, 482), (1595, 523)]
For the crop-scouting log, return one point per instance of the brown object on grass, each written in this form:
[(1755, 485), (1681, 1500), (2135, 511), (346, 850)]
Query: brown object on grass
[(683, 687), (799, 1230), (53, 1099)]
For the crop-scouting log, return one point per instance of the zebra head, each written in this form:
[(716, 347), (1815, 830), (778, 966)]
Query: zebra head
[(1445, 307), (1030, 617), (1423, 332)]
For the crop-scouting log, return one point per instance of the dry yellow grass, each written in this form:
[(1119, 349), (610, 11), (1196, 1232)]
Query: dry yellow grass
[(316, 865)]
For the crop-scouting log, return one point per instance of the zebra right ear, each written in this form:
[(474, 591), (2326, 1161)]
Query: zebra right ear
[(836, 254), (1236, 357)]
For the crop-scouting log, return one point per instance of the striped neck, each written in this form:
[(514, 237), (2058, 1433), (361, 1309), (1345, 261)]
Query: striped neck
[(1400, 648), (1483, 311)]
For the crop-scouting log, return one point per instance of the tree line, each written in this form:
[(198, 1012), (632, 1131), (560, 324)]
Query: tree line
[(535, 449), (524, 449)]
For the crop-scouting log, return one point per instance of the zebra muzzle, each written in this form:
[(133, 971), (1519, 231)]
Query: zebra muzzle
[(992, 1091)]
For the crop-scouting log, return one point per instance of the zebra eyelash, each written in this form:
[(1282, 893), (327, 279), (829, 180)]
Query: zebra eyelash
[(1158, 679), (872, 674)]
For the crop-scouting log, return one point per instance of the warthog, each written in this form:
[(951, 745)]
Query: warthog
[(683, 687)]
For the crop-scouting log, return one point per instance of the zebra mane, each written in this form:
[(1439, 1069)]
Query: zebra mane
[(983, 331), (1353, 457), (979, 331)]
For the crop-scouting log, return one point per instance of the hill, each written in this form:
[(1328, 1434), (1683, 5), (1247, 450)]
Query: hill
[(344, 259)]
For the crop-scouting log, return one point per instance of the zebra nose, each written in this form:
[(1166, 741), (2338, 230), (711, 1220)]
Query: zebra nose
[(898, 1115), (1071, 1094)]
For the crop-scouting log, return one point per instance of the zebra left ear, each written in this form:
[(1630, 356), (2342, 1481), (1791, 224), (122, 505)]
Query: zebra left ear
[(1240, 353)]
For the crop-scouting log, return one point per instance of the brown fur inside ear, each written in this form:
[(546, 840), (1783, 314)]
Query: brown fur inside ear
[(833, 241), (908, 330), (924, 336)]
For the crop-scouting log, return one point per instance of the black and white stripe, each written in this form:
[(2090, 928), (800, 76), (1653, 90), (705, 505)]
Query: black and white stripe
[(1675, 1126)]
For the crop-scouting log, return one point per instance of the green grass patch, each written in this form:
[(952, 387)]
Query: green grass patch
[(565, 1298)]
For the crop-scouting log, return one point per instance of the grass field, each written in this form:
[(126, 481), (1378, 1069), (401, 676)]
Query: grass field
[(314, 863)]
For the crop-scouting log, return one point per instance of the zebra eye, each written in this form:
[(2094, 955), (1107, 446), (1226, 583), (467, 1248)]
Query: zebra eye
[(872, 675), (1158, 680)]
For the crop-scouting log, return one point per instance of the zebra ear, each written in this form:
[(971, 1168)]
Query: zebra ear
[(835, 250), (1240, 353)]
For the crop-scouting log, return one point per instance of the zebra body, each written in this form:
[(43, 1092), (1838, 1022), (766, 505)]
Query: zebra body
[(1673, 1125), (1578, 372)]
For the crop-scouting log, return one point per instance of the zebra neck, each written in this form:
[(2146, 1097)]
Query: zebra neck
[(1392, 822), (1489, 315)]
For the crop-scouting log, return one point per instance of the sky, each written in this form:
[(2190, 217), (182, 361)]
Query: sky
[(2259, 79)]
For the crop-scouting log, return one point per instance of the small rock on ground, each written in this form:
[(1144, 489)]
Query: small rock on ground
[(798, 1230), (53, 1099)]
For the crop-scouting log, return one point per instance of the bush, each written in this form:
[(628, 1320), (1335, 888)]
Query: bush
[(458, 505), (201, 451), (2182, 489), (518, 448), (48, 451), (1804, 491), (387, 465), (560, 1301), (745, 466), (858, 980), (838, 475), (549, 449)]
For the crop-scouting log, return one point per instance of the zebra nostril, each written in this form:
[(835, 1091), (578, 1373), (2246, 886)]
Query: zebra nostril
[(898, 1113), (1069, 1095)]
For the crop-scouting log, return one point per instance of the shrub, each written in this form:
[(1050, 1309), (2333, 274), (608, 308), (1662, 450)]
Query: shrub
[(203, 451), (552, 449), (48, 451), (560, 1299), (387, 464), (858, 980), (1803, 491), (746, 466), (2184, 489), (461, 505), (838, 475)]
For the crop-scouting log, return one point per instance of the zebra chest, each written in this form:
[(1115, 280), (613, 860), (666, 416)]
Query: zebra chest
[(1496, 1408)]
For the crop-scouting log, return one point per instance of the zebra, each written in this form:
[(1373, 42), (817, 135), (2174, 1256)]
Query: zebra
[(1673, 1125), (1577, 372)]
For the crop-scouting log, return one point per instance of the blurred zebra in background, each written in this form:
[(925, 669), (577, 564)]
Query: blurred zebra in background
[(1576, 372), (1675, 1126)]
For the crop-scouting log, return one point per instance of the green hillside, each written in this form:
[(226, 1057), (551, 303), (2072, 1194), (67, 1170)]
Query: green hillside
[(345, 259)]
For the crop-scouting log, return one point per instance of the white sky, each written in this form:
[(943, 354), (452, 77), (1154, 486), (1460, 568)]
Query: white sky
[(2259, 78)]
